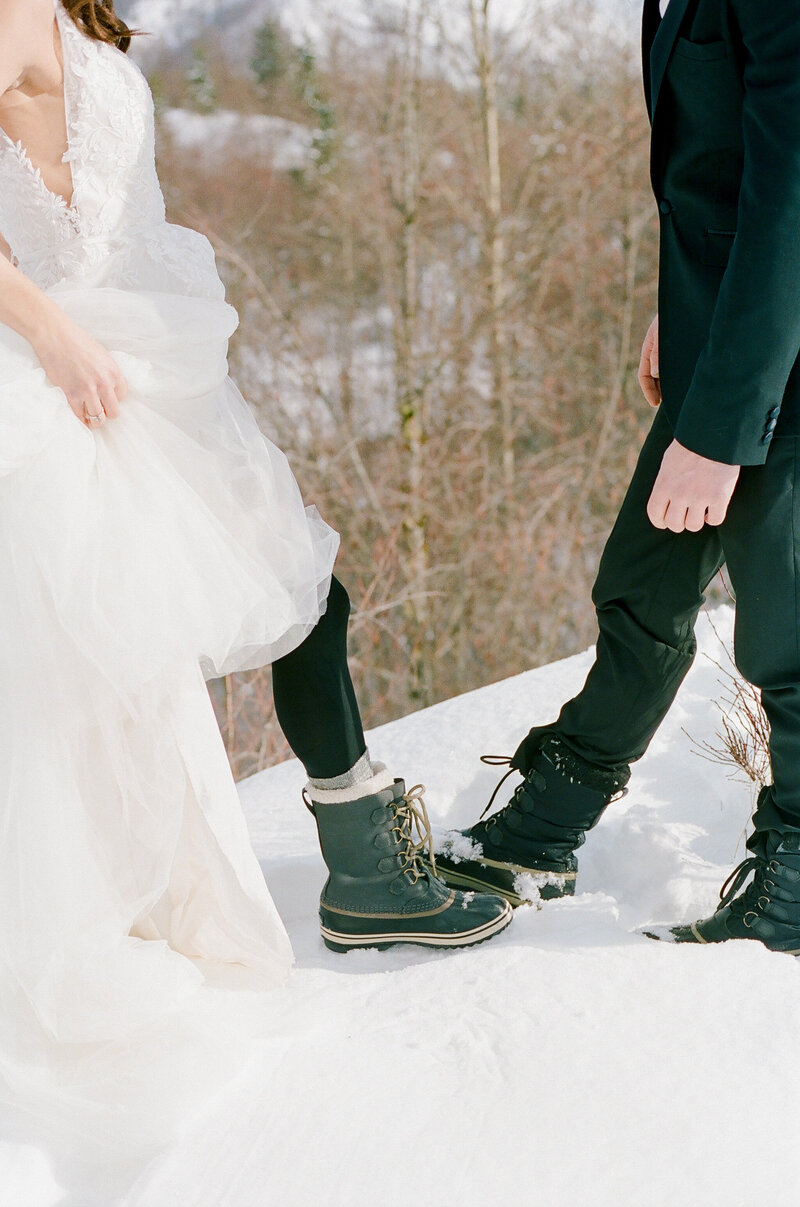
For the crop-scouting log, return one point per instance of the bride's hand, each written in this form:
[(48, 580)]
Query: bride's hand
[(87, 373)]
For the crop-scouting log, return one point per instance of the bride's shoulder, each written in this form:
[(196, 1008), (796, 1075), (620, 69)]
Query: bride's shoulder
[(23, 25), (28, 15)]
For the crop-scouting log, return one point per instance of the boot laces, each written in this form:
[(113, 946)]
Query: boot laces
[(514, 804), (499, 760), (750, 902), (737, 878), (412, 814)]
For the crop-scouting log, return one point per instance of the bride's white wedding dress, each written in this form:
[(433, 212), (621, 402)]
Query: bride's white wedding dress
[(136, 559)]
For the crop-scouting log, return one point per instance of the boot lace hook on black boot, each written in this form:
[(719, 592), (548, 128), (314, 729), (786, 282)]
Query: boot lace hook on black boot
[(497, 760)]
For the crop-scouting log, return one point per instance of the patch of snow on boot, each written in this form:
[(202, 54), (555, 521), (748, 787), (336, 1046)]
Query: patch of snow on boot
[(467, 900), (528, 885), (458, 847), (660, 932)]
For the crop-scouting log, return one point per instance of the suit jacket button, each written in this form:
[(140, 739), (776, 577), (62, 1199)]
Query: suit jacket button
[(765, 439), (665, 206), (773, 414)]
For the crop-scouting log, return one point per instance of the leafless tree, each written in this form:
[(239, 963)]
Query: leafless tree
[(440, 324)]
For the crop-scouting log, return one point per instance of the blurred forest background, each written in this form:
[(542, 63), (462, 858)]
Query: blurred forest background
[(441, 242)]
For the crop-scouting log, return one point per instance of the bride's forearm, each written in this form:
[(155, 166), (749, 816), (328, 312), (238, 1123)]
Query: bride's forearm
[(73, 360), (26, 308)]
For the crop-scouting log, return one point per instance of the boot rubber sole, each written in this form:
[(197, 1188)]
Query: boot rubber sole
[(500, 878), (666, 934), (339, 942)]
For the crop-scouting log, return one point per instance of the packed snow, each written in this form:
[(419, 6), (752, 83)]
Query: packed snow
[(570, 1061), (262, 138)]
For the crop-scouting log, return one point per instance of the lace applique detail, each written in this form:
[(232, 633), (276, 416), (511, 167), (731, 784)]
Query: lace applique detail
[(46, 195), (30, 213), (188, 256), (117, 210), (112, 136)]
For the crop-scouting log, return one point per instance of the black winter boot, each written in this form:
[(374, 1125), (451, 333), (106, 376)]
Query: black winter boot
[(769, 907), (529, 846), (380, 892)]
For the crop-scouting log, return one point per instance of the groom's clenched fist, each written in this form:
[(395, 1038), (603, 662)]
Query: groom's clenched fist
[(690, 490)]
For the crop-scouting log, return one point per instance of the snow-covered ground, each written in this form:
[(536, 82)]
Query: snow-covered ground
[(258, 136), (570, 1061)]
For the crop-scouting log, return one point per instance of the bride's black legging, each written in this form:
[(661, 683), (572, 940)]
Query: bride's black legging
[(314, 696)]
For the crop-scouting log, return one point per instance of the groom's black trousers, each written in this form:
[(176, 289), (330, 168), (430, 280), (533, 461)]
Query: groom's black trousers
[(648, 592), (314, 697)]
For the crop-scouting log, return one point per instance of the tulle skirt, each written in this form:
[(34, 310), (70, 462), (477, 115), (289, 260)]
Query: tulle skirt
[(137, 934)]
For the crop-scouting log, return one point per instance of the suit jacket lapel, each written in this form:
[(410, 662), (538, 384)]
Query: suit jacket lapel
[(651, 19), (663, 44)]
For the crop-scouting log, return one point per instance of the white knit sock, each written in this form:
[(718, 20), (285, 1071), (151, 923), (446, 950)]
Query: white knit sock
[(353, 785)]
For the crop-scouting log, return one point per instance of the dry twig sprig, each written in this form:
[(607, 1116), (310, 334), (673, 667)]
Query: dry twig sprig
[(742, 740)]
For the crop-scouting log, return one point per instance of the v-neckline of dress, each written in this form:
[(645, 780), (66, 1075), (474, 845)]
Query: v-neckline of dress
[(69, 207)]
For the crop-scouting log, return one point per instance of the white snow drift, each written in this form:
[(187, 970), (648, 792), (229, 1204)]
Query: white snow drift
[(257, 137), (570, 1061)]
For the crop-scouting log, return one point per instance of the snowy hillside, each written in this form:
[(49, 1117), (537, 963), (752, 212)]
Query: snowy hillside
[(569, 1062), (274, 140), (176, 22)]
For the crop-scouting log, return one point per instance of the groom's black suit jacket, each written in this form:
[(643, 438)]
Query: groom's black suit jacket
[(722, 80)]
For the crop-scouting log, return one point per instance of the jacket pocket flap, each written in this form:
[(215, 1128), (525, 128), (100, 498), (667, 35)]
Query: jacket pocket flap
[(702, 52)]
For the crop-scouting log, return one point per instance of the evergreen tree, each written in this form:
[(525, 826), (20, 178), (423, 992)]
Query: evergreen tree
[(201, 82), (269, 52), (308, 85)]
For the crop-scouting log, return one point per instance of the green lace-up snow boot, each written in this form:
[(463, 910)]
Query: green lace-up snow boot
[(768, 909), (526, 851), (380, 892)]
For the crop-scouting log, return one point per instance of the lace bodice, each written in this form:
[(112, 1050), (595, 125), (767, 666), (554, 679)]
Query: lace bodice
[(115, 228)]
